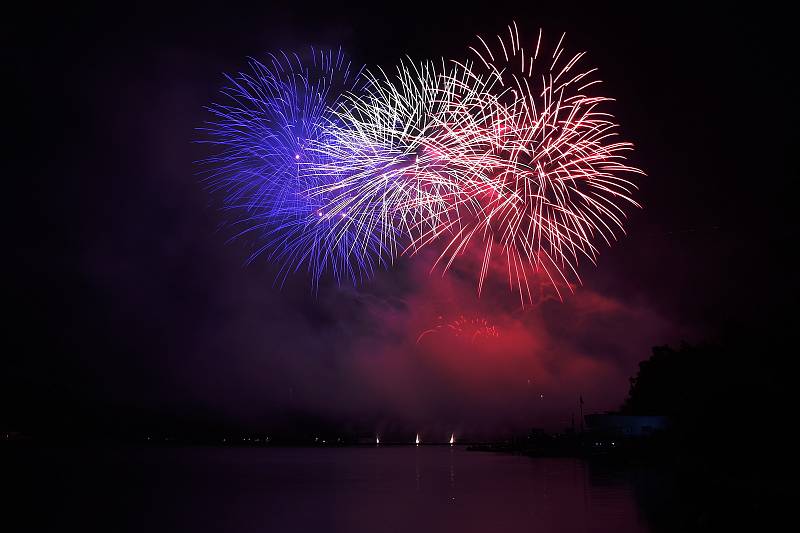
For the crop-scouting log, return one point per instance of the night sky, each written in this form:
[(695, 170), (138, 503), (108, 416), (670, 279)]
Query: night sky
[(130, 309)]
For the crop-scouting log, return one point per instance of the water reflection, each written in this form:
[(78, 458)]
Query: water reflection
[(386, 488)]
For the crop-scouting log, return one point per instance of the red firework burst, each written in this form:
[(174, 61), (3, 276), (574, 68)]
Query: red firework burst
[(472, 329), (548, 177)]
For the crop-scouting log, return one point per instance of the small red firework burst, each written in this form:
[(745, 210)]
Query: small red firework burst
[(473, 329)]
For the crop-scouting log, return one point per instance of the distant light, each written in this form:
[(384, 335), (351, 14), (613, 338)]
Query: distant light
[(297, 156)]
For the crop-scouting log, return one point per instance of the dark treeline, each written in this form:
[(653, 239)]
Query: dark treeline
[(730, 444)]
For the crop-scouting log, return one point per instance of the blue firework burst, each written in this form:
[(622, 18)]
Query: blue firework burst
[(263, 133)]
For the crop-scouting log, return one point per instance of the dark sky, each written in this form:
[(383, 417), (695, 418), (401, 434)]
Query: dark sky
[(129, 308)]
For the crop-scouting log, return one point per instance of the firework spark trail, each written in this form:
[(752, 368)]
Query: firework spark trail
[(553, 180), (265, 133), (397, 166)]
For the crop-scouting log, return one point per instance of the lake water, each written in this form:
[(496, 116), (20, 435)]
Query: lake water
[(375, 489)]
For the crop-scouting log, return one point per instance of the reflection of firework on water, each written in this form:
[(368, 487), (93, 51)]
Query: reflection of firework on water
[(552, 182), (471, 328)]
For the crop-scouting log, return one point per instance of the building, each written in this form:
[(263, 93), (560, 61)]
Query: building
[(625, 425)]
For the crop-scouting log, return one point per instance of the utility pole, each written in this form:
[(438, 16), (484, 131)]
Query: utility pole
[(580, 403)]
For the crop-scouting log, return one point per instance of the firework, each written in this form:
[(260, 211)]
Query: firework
[(472, 329), (274, 114), (393, 170), (507, 156), (553, 180)]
